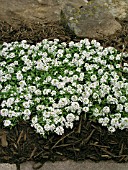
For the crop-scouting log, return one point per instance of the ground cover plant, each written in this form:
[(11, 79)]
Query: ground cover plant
[(87, 139), (52, 84)]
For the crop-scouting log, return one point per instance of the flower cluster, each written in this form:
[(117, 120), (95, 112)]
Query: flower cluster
[(52, 83)]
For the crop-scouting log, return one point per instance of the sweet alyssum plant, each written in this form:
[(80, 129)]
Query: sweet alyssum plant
[(51, 84)]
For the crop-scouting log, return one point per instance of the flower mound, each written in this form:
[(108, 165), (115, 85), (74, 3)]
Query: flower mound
[(51, 84)]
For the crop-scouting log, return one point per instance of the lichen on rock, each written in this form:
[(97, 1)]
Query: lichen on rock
[(90, 20)]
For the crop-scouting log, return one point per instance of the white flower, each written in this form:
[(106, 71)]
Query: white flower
[(74, 98), (118, 57), (8, 87), (124, 122), (47, 127), (78, 69), (96, 112), (46, 114), (26, 104), (59, 130), (69, 125), (40, 107), (118, 65), (63, 102), (105, 121), (101, 120), (8, 76), (111, 57), (70, 72), (75, 77), (125, 69), (32, 88), (7, 123), (95, 95), (100, 71), (38, 92), (82, 75), (74, 84), (22, 83), (115, 122), (3, 103), (10, 101), (123, 99), (52, 127), (27, 112), (75, 105), (111, 67), (85, 109), (62, 92), (26, 117), (71, 44), (45, 92), (54, 82), (126, 109), (111, 129), (119, 107), (125, 64), (11, 113), (16, 62), (61, 85), (48, 79), (10, 70), (68, 55), (93, 77), (28, 96), (117, 115), (103, 62), (85, 100), (53, 93), (34, 120), (106, 109), (39, 129), (4, 112), (70, 117), (117, 94)]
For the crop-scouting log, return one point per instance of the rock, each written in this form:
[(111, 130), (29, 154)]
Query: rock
[(90, 19), (48, 2), (79, 165), (17, 13), (6, 166), (27, 165), (118, 8), (97, 16), (37, 165)]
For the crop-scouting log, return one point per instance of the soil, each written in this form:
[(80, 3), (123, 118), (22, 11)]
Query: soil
[(88, 140), (35, 32)]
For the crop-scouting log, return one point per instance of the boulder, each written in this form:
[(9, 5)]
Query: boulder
[(90, 19)]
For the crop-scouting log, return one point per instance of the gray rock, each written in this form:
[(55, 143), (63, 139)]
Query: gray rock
[(94, 18), (48, 2), (6, 166), (80, 165), (27, 12), (118, 8), (27, 165), (91, 20)]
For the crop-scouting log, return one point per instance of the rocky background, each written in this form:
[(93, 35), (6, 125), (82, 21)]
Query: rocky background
[(65, 19)]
